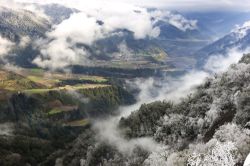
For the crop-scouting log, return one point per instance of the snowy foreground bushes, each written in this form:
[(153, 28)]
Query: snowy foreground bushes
[(222, 154), (210, 127)]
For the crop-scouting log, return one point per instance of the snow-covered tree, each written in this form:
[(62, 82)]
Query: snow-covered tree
[(222, 154)]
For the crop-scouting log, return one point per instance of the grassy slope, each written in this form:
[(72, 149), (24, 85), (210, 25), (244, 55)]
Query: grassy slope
[(37, 81), (15, 82)]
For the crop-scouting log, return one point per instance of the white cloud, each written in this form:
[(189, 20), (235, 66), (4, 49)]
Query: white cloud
[(200, 5), (5, 46), (117, 16), (220, 63), (123, 51), (79, 28), (24, 41), (108, 132), (152, 90), (83, 28), (59, 54), (61, 50), (96, 20), (242, 31), (176, 20)]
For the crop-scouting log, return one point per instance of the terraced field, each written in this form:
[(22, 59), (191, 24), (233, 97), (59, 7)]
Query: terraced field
[(78, 123), (49, 82), (14, 82), (61, 109), (65, 88), (39, 81), (97, 79), (51, 79)]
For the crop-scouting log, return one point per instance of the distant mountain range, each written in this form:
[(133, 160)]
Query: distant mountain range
[(218, 23), (57, 13), (17, 23), (174, 46), (238, 38)]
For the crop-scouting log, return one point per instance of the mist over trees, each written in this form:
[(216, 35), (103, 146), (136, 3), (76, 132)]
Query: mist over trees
[(209, 127)]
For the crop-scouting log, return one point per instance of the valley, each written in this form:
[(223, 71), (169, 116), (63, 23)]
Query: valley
[(122, 83)]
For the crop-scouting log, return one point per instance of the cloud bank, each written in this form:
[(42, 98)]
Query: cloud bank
[(5, 47), (195, 5), (93, 24), (62, 47), (171, 89), (95, 20), (220, 63)]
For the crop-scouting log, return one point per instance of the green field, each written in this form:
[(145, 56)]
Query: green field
[(78, 123), (36, 80), (49, 78), (54, 111), (49, 82), (63, 108), (67, 87), (37, 70), (94, 79)]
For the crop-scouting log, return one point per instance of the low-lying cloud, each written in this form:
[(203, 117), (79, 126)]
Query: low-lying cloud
[(171, 89), (108, 132), (195, 5), (60, 49), (5, 47), (92, 21), (90, 25), (221, 62), (95, 20)]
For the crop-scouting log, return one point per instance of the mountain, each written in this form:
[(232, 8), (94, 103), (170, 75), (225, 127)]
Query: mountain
[(20, 27), (176, 38), (175, 41), (218, 24), (217, 111), (238, 38), (56, 12), (167, 48), (123, 51), (19, 22), (181, 36)]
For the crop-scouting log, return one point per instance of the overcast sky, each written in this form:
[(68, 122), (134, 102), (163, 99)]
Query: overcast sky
[(203, 5)]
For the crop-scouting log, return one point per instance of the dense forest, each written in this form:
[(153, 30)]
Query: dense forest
[(218, 112)]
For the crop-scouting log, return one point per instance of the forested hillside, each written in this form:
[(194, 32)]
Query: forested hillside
[(217, 112)]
